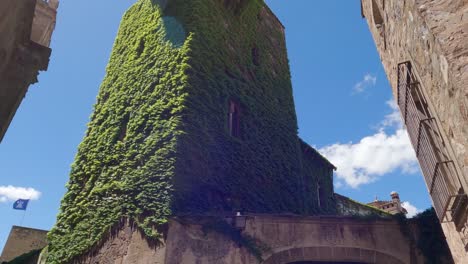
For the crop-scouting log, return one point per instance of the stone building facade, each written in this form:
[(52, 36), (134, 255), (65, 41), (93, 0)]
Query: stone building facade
[(393, 207), (423, 45), (26, 28), (23, 240)]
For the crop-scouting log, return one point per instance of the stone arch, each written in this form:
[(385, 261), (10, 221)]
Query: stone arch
[(332, 254)]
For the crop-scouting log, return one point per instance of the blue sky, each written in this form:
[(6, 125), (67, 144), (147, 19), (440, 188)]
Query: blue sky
[(341, 93)]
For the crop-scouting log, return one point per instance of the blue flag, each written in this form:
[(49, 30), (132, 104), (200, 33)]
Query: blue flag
[(21, 204)]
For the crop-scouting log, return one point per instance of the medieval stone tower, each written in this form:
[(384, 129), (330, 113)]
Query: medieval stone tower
[(195, 116), (423, 45), (192, 155)]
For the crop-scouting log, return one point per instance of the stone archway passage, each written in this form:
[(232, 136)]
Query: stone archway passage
[(320, 262), (331, 255), (315, 262)]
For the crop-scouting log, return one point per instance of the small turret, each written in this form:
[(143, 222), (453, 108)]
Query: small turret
[(397, 203)]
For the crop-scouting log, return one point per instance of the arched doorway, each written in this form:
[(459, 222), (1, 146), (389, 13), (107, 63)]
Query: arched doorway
[(321, 262), (331, 255)]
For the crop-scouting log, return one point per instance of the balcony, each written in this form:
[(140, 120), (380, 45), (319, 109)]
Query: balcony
[(440, 174)]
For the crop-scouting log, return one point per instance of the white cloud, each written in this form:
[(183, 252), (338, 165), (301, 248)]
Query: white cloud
[(412, 210), (368, 81), (394, 118), (375, 155), (11, 193)]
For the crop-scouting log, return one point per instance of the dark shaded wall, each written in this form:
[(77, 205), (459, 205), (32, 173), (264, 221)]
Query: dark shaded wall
[(319, 197), (238, 53)]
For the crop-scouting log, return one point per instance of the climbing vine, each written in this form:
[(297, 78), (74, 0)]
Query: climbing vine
[(425, 232), (157, 143), (349, 207), (125, 165)]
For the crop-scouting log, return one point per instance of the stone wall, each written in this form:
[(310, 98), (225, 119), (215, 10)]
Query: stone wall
[(283, 239), (433, 36), (348, 207), (126, 245), (23, 240)]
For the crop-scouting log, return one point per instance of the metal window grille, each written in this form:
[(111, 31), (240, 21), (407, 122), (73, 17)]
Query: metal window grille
[(440, 174)]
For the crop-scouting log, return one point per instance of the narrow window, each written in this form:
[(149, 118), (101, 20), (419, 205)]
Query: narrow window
[(379, 22), (321, 197), (123, 128), (378, 19), (319, 191), (255, 56), (234, 119)]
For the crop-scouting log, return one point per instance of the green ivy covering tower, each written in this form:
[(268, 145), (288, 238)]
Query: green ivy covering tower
[(195, 116)]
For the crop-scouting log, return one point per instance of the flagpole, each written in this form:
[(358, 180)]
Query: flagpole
[(22, 218), (24, 213)]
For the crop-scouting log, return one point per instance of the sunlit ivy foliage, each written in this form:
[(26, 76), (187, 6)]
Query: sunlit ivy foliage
[(158, 142), (126, 162)]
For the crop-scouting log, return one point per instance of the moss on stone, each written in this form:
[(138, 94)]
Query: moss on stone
[(349, 207)]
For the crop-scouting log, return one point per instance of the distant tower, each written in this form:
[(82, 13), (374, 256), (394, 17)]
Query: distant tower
[(423, 48), (396, 199), (195, 116)]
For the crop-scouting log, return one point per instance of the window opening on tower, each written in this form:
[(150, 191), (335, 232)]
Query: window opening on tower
[(234, 118)]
